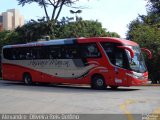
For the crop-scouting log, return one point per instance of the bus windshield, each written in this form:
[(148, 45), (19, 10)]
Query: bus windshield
[(137, 63), (122, 58)]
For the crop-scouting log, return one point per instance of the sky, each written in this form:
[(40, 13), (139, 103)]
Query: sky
[(114, 15)]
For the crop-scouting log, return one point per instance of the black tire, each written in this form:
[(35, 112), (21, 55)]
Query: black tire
[(27, 79), (43, 83), (114, 87), (97, 82)]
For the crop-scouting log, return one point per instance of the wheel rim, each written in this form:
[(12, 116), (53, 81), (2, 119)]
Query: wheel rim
[(100, 82), (26, 80)]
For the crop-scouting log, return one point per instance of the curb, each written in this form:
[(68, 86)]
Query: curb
[(151, 85)]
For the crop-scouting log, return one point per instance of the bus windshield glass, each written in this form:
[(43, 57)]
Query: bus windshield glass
[(116, 56), (137, 63), (122, 58)]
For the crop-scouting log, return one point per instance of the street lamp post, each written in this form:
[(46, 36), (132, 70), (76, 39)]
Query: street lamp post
[(76, 12)]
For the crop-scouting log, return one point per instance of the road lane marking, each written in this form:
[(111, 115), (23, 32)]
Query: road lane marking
[(129, 115), (123, 107), (156, 111)]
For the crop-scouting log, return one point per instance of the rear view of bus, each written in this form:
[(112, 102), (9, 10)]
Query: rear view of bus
[(99, 62)]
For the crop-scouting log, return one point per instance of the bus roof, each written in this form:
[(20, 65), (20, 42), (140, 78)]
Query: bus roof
[(107, 39), (44, 43), (73, 41)]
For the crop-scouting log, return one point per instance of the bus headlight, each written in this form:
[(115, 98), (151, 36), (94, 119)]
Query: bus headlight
[(136, 75)]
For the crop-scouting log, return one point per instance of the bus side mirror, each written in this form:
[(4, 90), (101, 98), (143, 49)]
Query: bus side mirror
[(148, 52), (129, 49)]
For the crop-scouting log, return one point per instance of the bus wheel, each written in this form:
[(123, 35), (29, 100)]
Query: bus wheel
[(114, 87), (27, 79), (97, 82)]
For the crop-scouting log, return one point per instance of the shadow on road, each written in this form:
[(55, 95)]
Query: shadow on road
[(59, 87)]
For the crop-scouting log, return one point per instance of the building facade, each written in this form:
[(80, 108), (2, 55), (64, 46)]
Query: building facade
[(1, 27), (11, 19)]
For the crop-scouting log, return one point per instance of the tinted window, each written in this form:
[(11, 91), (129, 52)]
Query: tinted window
[(55, 52), (116, 55), (40, 53), (71, 52), (7, 53), (90, 50), (25, 53)]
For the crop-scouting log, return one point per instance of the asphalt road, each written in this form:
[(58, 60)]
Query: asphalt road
[(18, 98)]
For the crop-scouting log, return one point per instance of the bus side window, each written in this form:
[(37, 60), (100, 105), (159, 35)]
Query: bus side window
[(119, 60), (110, 51), (35, 54), (90, 51), (10, 53), (7, 52), (116, 55), (28, 53), (25, 53), (55, 52), (71, 52), (14, 54)]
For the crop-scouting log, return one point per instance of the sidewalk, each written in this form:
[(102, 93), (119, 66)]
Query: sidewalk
[(151, 85)]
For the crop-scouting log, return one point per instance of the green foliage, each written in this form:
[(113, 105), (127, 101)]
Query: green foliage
[(146, 31), (81, 28), (114, 34), (8, 37), (154, 6), (34, 30)]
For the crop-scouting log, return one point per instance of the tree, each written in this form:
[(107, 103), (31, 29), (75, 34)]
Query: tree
[(57, 6), (114, 34), (66, 28), (153, 6), (83, 28), (145, 30), (8, 37), (34, 30)]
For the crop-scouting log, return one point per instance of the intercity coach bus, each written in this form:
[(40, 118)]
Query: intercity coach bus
[(98, 61)]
